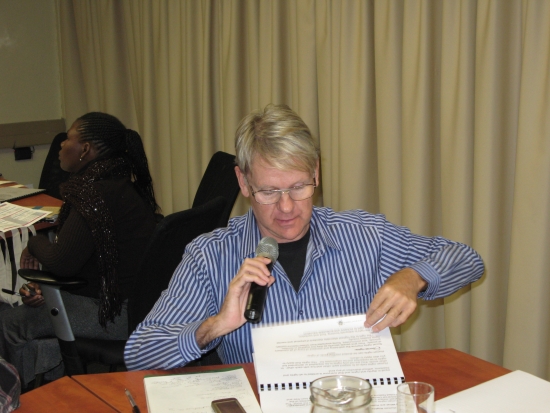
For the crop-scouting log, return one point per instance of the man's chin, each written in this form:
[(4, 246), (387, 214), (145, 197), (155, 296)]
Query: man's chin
[(289, 235)]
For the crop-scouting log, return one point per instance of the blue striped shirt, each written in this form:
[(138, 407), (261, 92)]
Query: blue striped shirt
[(349, 256)]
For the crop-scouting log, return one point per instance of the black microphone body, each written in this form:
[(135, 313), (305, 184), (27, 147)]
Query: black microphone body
[(257, 295)]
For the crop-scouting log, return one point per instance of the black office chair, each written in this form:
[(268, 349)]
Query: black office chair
[(161, 258), (52, 175), (219, 179)]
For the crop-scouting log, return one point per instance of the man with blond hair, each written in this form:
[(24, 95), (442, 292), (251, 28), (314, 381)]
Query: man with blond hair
[(330, 263)]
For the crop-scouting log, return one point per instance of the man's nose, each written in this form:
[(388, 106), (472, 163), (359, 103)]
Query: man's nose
[(286, 203)]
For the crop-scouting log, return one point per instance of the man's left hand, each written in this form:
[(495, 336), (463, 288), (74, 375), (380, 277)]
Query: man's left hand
[(395, 300)]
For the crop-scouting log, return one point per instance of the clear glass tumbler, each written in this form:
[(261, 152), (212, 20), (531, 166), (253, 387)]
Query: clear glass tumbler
[(347, 394), (415, 397)]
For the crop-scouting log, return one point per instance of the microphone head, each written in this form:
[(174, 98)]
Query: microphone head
[(268, 248)]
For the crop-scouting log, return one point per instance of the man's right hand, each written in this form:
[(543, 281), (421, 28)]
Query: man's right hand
[(231, 315)]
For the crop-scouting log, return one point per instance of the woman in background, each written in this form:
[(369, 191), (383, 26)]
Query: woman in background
[(106, 220)]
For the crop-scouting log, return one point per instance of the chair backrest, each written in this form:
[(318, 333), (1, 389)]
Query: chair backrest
[(52, 175), (164, 253), (219, 179)]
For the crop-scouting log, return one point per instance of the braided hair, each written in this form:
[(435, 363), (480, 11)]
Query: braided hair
[(120, 154), (111, 139)]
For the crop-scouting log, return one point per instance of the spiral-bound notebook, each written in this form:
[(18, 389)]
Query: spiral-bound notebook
[(287, 358), (13, 193)]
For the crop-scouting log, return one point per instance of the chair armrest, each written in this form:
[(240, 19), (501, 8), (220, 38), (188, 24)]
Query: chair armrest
[(46, 277)]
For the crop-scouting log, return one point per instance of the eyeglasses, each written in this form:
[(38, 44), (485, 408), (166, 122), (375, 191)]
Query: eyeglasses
[(272, 196)]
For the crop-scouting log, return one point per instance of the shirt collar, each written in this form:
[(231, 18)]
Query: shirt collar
[(320, 229), (320, 233), (251, 237)]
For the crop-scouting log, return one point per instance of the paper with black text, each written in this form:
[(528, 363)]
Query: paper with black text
[(514, 392), (15, 216), (288, 357), (194, 392)]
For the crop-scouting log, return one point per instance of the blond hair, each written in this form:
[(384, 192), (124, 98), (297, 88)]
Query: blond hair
[(278, 136)]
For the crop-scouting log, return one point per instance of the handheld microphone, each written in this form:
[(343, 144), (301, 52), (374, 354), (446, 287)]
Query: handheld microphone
[(267, 248)]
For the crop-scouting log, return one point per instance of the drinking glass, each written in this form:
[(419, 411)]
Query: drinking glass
[(345, 394), (415, 397)]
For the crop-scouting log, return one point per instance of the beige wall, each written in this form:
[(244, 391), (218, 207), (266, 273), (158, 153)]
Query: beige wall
[(30, 76)]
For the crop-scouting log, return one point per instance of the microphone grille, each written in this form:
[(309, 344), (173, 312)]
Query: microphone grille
[(268, 248)]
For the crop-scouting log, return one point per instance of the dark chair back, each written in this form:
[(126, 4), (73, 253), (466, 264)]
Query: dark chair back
[(164, 254), (160, 259), (52, 175), (219, 179)]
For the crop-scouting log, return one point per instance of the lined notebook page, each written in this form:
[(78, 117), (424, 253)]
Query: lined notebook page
[(194, 392)]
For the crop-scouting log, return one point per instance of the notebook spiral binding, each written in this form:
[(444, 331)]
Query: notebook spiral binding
[(376, 382)]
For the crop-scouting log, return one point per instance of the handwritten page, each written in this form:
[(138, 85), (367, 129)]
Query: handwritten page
[(288, 357), (194, 392)]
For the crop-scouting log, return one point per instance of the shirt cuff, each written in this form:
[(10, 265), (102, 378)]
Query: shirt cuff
[(187, 342), (431, 276)]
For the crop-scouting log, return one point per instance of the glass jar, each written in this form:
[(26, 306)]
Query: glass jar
[(347, 394)]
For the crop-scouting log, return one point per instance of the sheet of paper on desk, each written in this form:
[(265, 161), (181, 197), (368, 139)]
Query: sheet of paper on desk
[(288, 357), (194, 392), (53, 212), (14, 216), (514, 392)]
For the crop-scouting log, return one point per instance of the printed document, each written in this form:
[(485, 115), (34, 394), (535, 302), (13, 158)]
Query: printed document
[(288, 357), (14, 216)]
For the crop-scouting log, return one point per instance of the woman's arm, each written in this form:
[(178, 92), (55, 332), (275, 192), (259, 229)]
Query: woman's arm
[(73, 248)]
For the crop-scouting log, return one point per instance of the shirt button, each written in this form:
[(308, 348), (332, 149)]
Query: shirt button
[(300, 312)]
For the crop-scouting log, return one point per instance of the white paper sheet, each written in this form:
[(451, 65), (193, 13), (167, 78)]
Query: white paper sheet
[(514, 392), (194, 392), (14, 216)]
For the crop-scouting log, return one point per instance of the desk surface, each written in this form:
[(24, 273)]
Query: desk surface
[(63, 395), (449, 370)]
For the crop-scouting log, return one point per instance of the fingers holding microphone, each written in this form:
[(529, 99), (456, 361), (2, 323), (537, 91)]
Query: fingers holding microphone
[(253, 271), (231, 315), (257, 295), (246, 296)]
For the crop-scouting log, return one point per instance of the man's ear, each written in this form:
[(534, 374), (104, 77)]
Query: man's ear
[(243, 183)]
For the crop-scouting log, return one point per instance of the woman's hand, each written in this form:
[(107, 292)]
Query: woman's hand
[(28, 261), (31, 295)]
